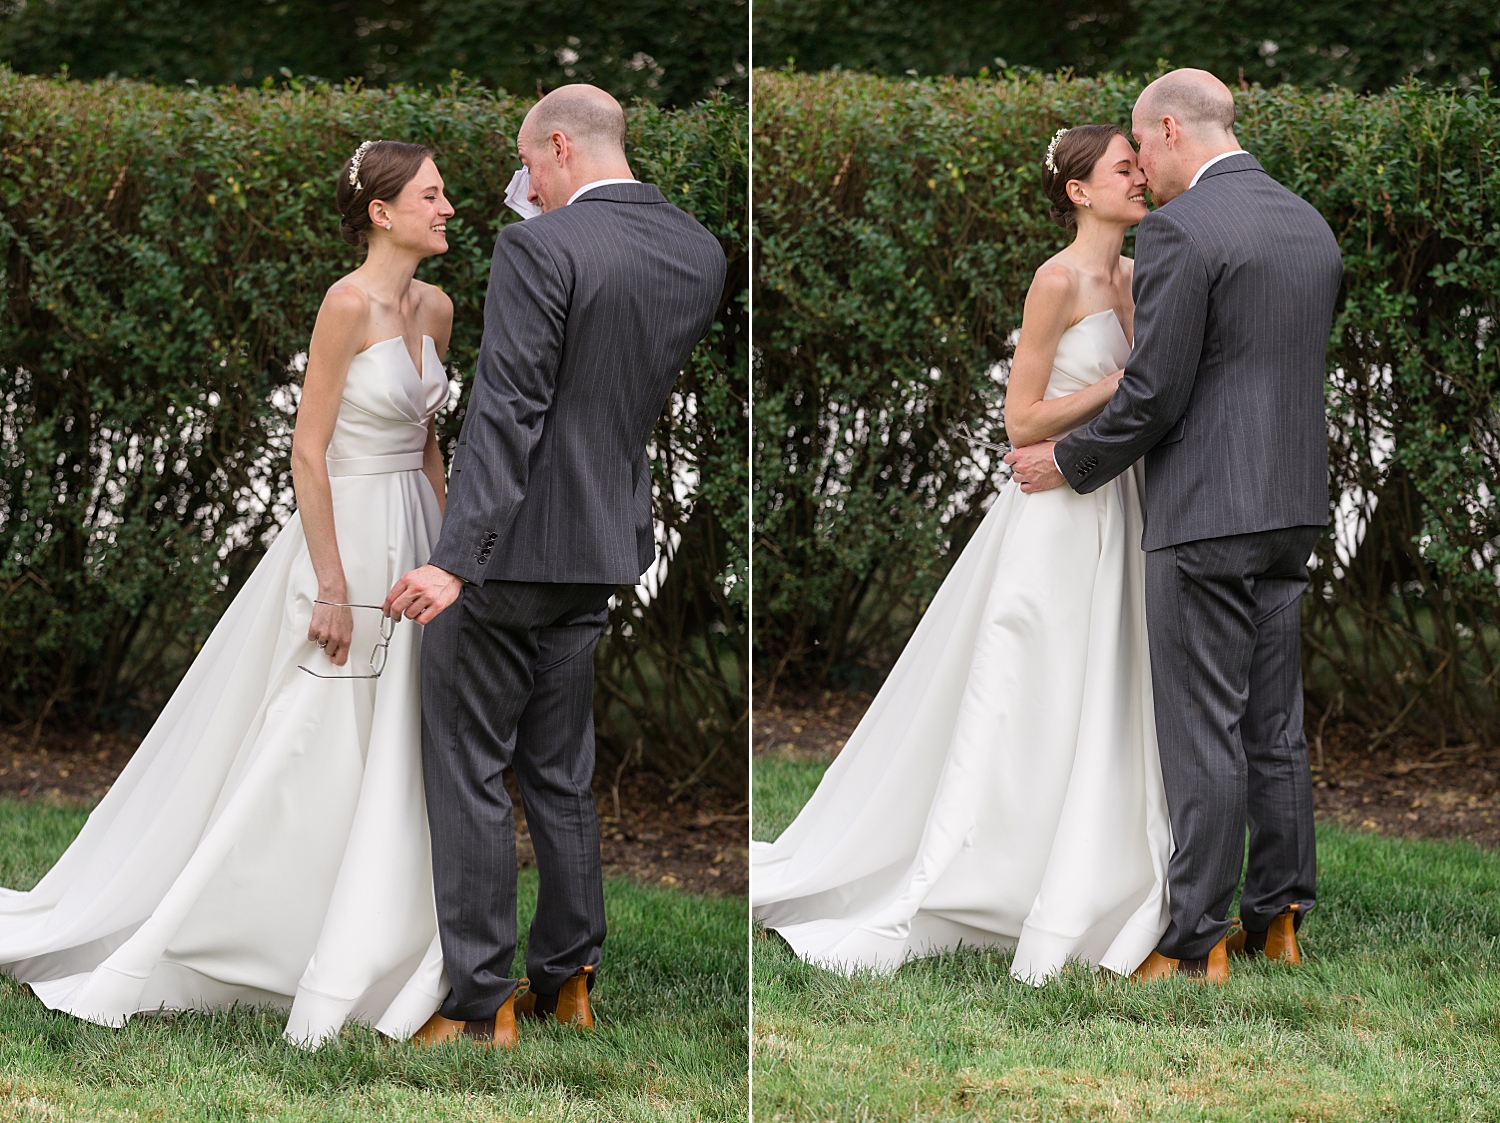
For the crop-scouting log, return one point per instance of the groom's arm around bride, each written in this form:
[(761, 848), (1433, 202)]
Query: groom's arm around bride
[(593, 307)]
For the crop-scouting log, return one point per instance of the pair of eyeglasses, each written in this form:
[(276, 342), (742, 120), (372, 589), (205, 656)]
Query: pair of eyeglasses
[(963, 434), (377, 657)]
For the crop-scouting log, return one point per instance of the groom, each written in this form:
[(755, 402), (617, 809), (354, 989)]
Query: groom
[(1235, 283), (593, 306)]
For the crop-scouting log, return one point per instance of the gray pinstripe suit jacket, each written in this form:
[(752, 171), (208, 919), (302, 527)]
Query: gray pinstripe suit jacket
[(1235, 284), (591, 312)]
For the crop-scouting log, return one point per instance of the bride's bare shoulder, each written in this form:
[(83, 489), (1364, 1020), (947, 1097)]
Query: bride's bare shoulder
[(1054, 282), (343, 319), (346, 299), (432, 302)]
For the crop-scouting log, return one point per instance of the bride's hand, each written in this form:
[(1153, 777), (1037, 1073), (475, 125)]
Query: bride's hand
[(1114, 380), (332, 629)]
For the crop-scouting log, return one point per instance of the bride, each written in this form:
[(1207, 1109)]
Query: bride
[(267, 844), (1004, 787)]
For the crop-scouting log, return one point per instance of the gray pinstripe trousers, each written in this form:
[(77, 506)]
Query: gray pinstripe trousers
[(508, 681), (1226, 670)]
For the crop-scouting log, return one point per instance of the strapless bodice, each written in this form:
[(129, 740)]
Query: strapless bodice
[(1089, 350), (388, 404)]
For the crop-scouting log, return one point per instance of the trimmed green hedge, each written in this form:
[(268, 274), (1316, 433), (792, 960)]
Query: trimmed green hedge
[(897, 225), (669, 53), (164, 253), (1362, 46)]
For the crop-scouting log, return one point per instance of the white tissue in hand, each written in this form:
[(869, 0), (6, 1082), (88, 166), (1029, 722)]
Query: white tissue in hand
[(515, 195)]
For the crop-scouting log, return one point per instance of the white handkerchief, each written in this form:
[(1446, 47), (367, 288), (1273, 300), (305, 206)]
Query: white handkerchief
[(515, 195)]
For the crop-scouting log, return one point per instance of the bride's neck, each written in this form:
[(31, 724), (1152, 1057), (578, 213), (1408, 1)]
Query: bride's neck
[(388, 272), (1098, 244)]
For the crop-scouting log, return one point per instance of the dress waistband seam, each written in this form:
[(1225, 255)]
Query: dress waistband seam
[(376, 465)]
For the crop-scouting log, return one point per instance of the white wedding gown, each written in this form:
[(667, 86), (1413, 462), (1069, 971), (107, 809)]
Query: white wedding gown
[(267, 844), (1003, 787)]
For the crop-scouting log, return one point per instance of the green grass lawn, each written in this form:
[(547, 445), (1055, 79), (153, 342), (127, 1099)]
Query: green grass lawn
[(671, 1004), (1395, 1014)]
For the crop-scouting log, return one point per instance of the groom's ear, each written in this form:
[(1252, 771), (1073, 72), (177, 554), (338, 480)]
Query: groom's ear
[(1171, 130)]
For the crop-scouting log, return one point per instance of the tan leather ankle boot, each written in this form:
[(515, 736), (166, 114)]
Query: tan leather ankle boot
[(1157, 966), (1234, 943), (503, 1033), (436, 1030), (1214, 969), (498, 1032), (573, 1001), (1217, 971), (1281, 938)]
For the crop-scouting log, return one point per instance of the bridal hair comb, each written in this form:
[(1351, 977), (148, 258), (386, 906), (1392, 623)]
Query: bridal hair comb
[(1050, 158), (359, 155)]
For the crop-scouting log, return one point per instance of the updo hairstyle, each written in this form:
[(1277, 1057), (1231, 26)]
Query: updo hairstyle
[(1077, 151), (386, 167)]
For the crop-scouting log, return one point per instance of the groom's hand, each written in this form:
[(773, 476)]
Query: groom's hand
[(421, 594), (1035, 467)]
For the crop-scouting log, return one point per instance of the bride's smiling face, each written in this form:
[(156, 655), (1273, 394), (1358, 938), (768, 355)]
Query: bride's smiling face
[(1116, 191), (417, 219)]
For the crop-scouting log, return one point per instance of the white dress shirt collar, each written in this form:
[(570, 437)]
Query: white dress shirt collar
[(598, 183), (1206, 165)]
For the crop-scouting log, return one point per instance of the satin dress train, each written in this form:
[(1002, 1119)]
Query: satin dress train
[(267, 844), (1003, 788)]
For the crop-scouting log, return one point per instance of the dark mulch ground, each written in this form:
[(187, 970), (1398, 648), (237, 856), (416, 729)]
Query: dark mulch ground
[(699, 843), (807, 723), (1404, 787), (1409, 789), (62, 768)]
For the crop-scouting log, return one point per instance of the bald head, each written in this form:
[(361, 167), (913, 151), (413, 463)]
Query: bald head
[(573, 137), (592, 121), (1200, 102), (1180, 122)]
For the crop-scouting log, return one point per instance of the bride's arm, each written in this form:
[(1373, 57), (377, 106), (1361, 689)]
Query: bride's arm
[(432, 467), (439, 325), (1029, 419), (336, 339)]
